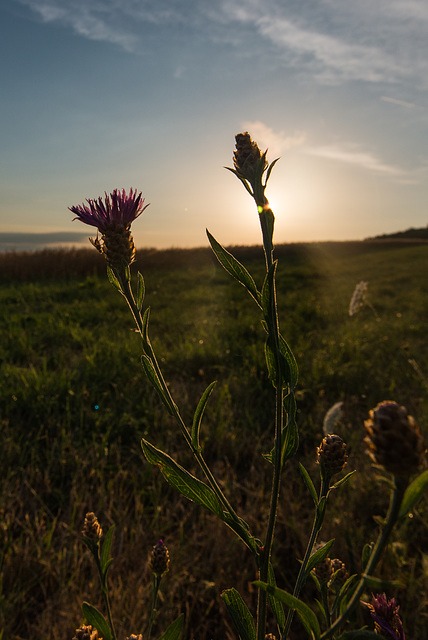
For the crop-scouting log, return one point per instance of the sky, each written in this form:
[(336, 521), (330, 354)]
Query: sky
[(106, 94)]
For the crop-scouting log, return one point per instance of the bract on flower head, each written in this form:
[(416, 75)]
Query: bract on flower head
[(385, 616), (118, 208)]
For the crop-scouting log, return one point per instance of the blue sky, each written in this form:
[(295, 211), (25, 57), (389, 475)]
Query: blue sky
[(128, 93)]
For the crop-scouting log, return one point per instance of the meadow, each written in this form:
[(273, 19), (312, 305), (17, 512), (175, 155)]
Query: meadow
[(74, 405)]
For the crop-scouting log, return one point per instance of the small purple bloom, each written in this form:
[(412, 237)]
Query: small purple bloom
[(384, 613), (118, 208)]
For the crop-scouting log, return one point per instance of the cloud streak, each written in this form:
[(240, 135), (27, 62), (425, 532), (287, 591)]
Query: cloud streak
[(351, 154), (276, 142)]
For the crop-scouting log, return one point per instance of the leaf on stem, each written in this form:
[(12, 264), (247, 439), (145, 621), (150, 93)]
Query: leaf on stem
[(141, 290), (154, 379), (174, 630), (241, 617), (97, 620), (381, 585), (309, 483), (290, 433), (113, 279), (305, 613), (366, 553), (235, 268), (182, 480), (319, 555), (242, 530), (342, 481), (105, 554), (197, 418), (414, 493), (276, 605)]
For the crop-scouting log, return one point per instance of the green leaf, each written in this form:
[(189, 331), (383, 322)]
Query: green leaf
[(174, 630), (241, 617), (145, 332), (105, 554), (97, 620), (242, 530), (290, 433), (309, 483), (366, 553), (182, 480), (154, 379), (343, 480), (268, 293), (141, 290), (414, 493), (381, 585), (319, 556), (306, 614), (113, 279), (197, 418), (234, 268), (276, 605)]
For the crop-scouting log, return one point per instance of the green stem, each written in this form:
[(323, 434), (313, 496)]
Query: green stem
[(391, 518), (128, 295), (104, 589), (325, 602), (156, 584), (316, 528)]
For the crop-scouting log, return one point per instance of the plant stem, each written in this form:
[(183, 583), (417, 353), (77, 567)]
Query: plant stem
[(156, 583), (391, 518), (104, 589), (316, 528)]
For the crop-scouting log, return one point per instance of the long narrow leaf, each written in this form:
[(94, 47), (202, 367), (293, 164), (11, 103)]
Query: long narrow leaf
[(309, 483), (154, 379), (112, 278), (302, 609), (276, 605), (182, 480), (140, 291), (97, 620), (197, 418), (319, 556), (174, 630), (241, 617), (234, 268), (414, 493)]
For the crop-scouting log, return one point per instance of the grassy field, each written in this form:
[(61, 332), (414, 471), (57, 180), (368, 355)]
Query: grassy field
[(74, 404)]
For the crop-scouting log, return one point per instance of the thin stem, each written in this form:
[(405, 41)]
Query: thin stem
[(391, 518), (325, 602), (316, 528), (156, 583), (104, 589)]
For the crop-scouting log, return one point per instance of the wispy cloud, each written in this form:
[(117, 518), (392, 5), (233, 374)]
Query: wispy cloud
[(401, 103), (351, 154), (276, 141)]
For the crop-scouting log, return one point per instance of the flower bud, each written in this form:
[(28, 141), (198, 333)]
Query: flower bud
[(247, 157), (340, 574), (323, 571), (87, 632), (91, 527), (394, 439), (134, 637), (159, 560), (385, 616), (332, 454)]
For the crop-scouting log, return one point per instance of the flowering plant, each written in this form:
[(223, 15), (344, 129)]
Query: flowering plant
[(390, 431)]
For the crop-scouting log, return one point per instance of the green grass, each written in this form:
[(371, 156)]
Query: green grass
[(74, 404)]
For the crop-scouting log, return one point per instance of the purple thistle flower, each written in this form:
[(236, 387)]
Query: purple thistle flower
[(118, 208), (385, 616)]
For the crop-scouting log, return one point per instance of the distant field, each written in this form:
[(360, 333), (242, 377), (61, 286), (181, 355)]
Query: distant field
[(74, 405)]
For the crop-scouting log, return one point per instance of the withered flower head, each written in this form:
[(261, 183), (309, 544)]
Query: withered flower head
[(323, 570), (91, 527), (270, 636), (87, 632), (385, 617), (113, 217), (134, 637), (339, 576), (247, 157), (159, 558), (394, 439), (332, 454)]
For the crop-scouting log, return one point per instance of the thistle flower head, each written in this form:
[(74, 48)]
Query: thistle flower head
[(332, 454), (159, 558), (324, 570), (385, 616), (113, 217), (91, 527), (339, 574), (118, 208), (87, 632), (247, 157), (393, 439)]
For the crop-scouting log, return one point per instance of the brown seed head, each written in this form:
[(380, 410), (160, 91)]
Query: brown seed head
[(332, 454), (159, 559), (323, 570), (394, 439), (270, 636), (339, 576), (247, 156), (134, 637), (87, 632), (91, 527)]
